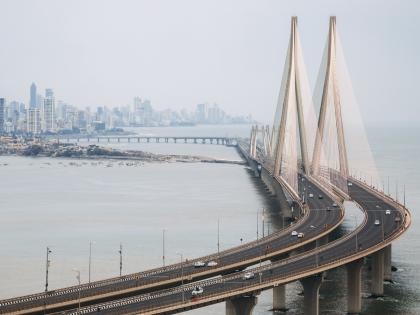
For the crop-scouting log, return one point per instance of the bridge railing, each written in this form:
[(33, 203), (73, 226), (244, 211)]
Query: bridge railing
[(269, 281)]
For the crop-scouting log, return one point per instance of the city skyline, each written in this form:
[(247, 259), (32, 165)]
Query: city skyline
[(226, 52), (47, 114)]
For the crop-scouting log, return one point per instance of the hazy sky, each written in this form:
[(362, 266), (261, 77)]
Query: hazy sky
[(178, 53)]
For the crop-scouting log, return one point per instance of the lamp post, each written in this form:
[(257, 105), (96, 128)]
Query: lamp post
[(258, 214), (47, 266), (120, 252), (263, 222), (79, 289), (163, 247), (182, 276), (218, 237), (355, 227), (90, 257)]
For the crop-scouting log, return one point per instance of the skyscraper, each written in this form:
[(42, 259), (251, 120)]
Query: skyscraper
[(33, 121), (49, 93), (48, 114), (32, 96), (2, 101)]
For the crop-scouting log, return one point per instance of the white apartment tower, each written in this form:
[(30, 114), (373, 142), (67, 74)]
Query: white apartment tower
[(48, 114), (33, 121)]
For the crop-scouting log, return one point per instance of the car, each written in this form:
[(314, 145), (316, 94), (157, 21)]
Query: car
[(397, 219), (350, 184), (212, 263), (320, 196), (388, 212), (335, 205), (294, 233), (248, 276), (197, 291), (199, 264), (311, 195), (328, 209), (300, 235), (377, 222)]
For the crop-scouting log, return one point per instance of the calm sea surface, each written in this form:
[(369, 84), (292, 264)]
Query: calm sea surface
[(65, 204)]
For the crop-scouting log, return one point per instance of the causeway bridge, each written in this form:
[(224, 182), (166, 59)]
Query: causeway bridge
[(147, 139), (314, 183)]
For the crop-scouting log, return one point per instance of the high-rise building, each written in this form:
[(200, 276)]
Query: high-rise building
[(48, 114), (33, 96), (33, 119), (2, 103), (201, 113), (49, 93)]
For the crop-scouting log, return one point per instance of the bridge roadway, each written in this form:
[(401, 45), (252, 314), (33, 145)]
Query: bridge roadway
[(370, 238), (315, 224), (157, 139)]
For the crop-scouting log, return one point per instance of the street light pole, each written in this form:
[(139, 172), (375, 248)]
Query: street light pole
[(163, 247), (90, 258), (78, 279), (218, 237), (120, 252), (258, 214), (263, 221), (46, 268), (355, 227), (404, 195), (182, 276)]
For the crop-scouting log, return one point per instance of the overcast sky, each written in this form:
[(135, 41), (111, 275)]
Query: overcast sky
[(178, 53)]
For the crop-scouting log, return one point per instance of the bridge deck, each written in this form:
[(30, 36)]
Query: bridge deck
[(370, 238)]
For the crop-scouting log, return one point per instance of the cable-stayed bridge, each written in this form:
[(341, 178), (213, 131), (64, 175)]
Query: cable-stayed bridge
[(304, 158)]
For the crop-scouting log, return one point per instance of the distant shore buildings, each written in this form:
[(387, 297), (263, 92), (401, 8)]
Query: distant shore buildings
[(45, 115)]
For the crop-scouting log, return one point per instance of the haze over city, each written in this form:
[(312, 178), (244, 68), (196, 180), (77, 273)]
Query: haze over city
[(182, 53)]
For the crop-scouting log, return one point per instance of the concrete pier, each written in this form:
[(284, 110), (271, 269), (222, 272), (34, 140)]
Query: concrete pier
[(241, 305), (311, 287), (377, 286), (354, 286), (279, 298), (388, 263)]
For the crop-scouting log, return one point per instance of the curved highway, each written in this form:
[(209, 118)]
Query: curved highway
[(319, 221), (369, 237)]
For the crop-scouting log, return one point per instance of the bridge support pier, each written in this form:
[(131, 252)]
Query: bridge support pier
[(311, 287), (377, 287), (354, 286), (279, 298), (242, 305), (388, 263)]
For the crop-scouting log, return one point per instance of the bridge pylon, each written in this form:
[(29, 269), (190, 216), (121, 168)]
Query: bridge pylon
[(330, 101), (293, 106)]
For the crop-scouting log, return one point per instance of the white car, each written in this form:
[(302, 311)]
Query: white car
[(377, 222), (350, 184), (197, 291), (311, 195), (212, 263), (300, 235), (248, 276), (388, 212), (335, 205), (199, 263), (294, 233)]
